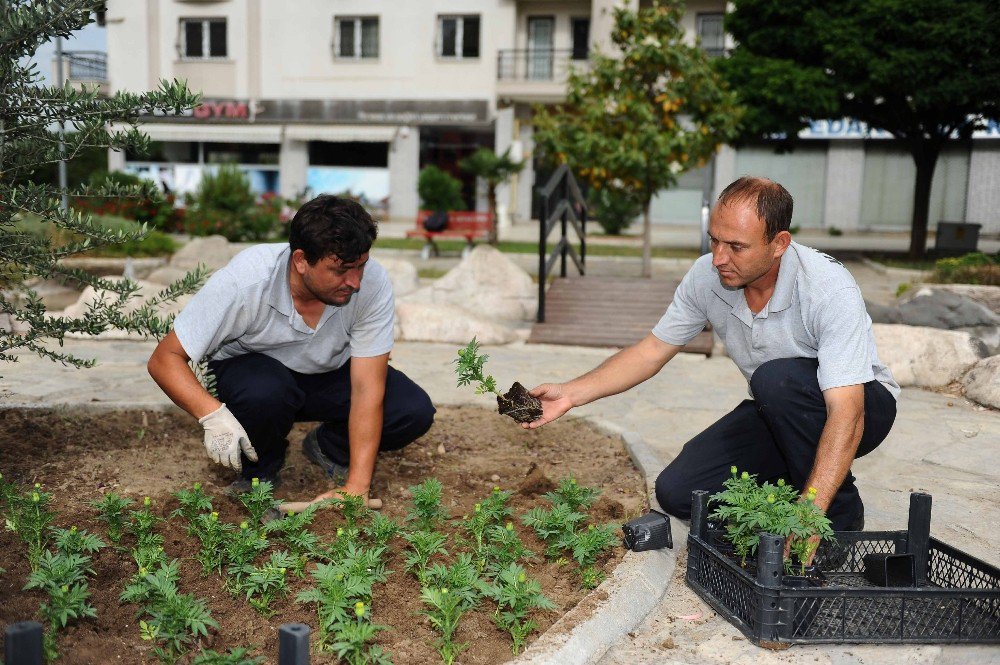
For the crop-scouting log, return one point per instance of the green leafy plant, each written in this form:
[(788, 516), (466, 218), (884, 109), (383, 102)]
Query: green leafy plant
[(213, 536), (352, 507), (259, 499), (491, 511), (444, 611), (62, 575), (495, 170), (238, 656), (586, 546), (516, 596), (423, 545), (142, 525), (30, 517), (747, 509), (427, 509), (553, 525), (615, 209), (504, 547), (294, 531), (76, 541), (351, 645), (470, 369), (381, 529), (573, 494), (973, 268), (192, 503), (439, 190), (263, 584), (111, 508), (242, 546)]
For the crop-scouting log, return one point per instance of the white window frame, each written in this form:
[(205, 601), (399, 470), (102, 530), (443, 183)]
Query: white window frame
[(358, 49), (459, 36), (206, 38), (700, 19)]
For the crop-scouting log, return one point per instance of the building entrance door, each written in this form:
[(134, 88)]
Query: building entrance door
[(541, 30)]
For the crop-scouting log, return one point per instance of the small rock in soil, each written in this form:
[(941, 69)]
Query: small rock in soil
[(441, 449), (519, 405), (495, 478)]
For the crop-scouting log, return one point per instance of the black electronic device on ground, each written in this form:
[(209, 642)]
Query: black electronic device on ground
[(648, 532)]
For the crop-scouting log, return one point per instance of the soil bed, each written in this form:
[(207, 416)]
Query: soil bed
[(79, 456)]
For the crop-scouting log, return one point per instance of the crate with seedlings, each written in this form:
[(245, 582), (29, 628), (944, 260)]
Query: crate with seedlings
[(516, 402), (941, 595)]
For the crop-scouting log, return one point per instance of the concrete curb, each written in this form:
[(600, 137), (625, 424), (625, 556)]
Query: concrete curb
[(631, 593)]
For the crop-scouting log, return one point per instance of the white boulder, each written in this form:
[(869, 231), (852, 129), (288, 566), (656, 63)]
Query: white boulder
[(982, 382), (402, 274), (212, 251), (926, 357), (487, 284), (450, 324)]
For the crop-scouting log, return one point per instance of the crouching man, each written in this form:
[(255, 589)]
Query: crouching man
[(794, 322), (297, 331)]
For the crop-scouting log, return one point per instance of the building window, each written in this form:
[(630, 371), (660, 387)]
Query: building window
[(458, 36), (356, 36), (203, 38), (711, 34), (581, 38)]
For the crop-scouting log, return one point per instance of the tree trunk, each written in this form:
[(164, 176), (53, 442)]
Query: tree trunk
[(491, 199), (647, 241), (925, 154)]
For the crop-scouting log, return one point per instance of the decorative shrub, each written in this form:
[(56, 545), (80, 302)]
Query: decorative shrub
[(614, 209), (225, 205), (974, 268), (438, 190), (158, 212)]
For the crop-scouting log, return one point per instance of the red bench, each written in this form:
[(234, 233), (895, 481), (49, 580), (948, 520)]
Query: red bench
[(472, 226)]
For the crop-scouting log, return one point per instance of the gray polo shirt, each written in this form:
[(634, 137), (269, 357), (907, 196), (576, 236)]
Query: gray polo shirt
[(246, 307), (816, 311)]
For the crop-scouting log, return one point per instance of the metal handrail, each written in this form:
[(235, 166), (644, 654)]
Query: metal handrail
[(87, 65), (562, 202), (535, 64)]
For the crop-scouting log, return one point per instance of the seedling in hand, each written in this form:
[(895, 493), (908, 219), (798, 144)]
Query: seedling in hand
[(516, 403)]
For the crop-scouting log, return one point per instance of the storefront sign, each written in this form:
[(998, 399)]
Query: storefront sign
[(847, 128), (379, 112)]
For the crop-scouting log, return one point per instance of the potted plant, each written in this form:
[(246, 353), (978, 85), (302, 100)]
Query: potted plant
[(746, 509)]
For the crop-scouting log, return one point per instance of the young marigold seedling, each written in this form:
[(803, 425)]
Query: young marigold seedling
[(111, 508), (75, 541), (461, 578), (263, 584), (427, 510), (213, 535), (61, 575), (30, 518), (242, 547), (516, 403), (351, 644), (192, 503), (516, 595), (444, 611), (503, 548), (423, 545), (237, 656), (809, 523), (259, 499), (381, 529), (352, 507), (143, 523), (589, 544), (294, 531), (553, 525), (573, 494)]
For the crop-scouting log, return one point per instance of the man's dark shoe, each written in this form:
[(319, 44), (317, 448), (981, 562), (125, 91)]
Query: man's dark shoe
[(312, 451), (243, 485)]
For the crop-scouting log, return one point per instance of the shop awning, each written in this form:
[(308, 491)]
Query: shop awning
[(341, 133), (249, 133)]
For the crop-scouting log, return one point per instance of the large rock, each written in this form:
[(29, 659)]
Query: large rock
[(147, 290), (982, 382), (423, 322), (936, 308), (487, 284), (988, 296), (212, 251), (402, 274), (926, 357)]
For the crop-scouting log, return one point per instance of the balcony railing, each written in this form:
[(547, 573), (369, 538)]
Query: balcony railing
[(85, 65), (535, 64)]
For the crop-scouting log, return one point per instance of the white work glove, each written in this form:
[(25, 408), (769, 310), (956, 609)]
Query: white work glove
[(225, 437)]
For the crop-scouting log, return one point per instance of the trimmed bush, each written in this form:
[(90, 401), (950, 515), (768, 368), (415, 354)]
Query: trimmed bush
[(439, 190)]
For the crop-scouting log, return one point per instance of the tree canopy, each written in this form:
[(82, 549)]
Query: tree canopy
[(31, 142), (638, 118), (927, 71)]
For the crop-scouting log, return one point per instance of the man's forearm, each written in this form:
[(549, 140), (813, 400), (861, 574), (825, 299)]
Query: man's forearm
[(626, 369), (168, 366), (365, 433), (835, 453)]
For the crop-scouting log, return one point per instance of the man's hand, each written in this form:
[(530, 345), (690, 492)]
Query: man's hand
[(225, 438), (338, 493), (555, 403)]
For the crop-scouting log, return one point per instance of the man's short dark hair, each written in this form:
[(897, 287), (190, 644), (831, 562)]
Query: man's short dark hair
[(332, 225), (773, 202)]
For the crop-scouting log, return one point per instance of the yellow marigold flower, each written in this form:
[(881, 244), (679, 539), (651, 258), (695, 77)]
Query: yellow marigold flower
[(510, 526), (146, 501), (479, 508), (732, 470), (214, 517), (522, 578), (255, 482), (770, 498), (244, 525), (745, 475), (359, 609), (781, 482), (812, 491)]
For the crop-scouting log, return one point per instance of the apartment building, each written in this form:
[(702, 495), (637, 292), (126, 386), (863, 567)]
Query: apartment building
[(359, 95)]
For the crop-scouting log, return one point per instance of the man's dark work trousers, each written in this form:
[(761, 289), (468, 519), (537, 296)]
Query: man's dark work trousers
[(268, 398), (774, 435)]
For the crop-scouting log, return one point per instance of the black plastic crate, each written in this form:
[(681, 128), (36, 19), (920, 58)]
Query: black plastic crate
[(956, 597)]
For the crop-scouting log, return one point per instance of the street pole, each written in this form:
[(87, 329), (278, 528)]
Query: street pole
[(63, 177)]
